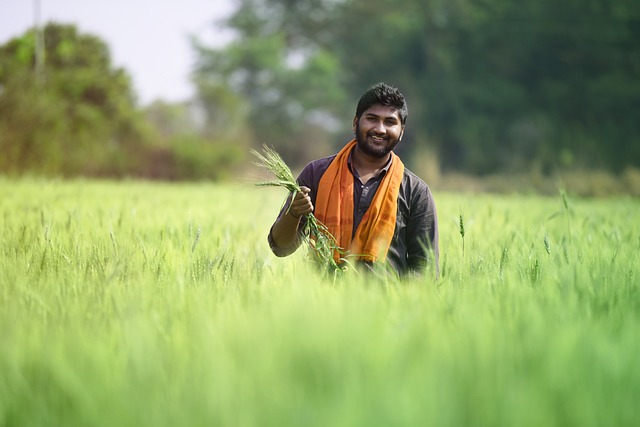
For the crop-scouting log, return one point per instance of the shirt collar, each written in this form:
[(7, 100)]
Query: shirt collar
[(354, 172)]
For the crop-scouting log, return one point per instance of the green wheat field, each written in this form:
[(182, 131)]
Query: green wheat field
[(148, 304)]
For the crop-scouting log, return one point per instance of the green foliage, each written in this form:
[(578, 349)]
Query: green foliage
[(492, 86), (285, 81), (74, 119), (184, 149), (199, 158), (80, 118), (142, 304)]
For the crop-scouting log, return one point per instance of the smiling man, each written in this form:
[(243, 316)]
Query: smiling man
[(377, 209)]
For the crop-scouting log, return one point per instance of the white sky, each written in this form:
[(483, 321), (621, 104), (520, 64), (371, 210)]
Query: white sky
[(148, 38)]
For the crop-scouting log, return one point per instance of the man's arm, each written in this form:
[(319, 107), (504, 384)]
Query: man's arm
[(283, 236), (422, 233)]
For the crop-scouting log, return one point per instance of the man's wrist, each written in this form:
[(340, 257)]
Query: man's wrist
[(292, 215)]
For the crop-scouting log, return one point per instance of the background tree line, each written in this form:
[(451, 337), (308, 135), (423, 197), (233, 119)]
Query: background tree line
[(494, 86), (77, 116)]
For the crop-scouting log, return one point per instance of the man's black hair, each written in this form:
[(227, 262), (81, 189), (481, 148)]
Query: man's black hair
[(382, 93)]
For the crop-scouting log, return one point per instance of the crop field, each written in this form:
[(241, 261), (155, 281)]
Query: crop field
[(149, 304)]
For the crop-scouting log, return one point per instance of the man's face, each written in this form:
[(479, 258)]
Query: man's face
[(378, 131)]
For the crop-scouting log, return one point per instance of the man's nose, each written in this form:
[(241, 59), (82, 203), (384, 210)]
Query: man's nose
[(379, 127)]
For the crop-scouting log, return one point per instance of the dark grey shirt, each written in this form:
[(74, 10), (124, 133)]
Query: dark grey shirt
[(415, 239)]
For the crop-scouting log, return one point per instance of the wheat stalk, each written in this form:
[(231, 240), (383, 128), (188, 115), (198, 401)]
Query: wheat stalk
[(317, 236), (461, 223)]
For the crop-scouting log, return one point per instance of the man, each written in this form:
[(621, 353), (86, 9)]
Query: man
[(378, 210)]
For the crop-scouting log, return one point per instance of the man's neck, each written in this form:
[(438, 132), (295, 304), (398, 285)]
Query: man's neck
[(367, 162), (368, 166)]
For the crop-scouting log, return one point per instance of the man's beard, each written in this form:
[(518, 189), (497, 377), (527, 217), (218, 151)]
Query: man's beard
[(380, 152)]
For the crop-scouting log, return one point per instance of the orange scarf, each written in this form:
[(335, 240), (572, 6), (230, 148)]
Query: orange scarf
[(334, 208)]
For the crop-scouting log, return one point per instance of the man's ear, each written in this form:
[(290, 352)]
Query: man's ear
[(401, 134), (355, 123)]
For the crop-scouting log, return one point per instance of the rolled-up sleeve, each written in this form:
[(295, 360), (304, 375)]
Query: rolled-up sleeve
[(282, 252)]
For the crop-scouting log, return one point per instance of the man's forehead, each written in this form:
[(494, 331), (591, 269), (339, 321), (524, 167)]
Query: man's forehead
[(382, 111)]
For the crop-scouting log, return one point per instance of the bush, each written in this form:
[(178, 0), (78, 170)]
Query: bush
[(190, 158)]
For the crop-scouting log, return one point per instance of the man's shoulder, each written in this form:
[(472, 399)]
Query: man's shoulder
[(322, 163), (413, 182), (313, 171), (415, 195)]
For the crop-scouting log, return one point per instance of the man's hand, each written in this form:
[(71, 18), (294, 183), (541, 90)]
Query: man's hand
[(285, 229), (301, 203)]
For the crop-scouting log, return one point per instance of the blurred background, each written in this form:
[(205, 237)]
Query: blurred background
[(504, 95)]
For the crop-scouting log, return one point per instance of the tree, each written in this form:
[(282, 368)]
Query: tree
[(274, 76), (81, 119), (501, 85)]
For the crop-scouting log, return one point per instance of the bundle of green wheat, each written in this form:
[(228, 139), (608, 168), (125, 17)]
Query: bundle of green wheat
[(321, 242)]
